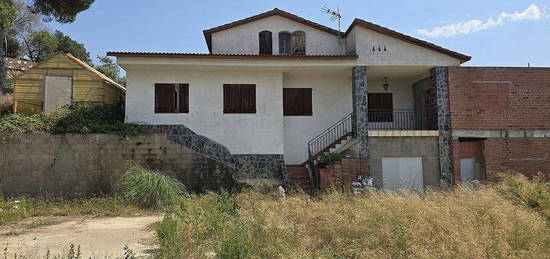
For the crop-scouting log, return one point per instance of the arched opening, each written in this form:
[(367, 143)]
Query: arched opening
[(285, 43), (298, 43), (266, 45)]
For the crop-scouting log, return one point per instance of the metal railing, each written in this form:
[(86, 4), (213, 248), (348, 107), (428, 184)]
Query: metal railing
[(393, 120), (343, 127)]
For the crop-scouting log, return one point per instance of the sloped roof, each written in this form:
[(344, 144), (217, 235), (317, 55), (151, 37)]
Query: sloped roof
[(231, 56), (357, 22), (83, 65)]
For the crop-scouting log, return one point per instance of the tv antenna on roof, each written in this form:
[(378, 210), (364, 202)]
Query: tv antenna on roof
[(334, 15)]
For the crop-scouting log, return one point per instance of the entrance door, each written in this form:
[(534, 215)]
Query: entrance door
[(402, 173), (57, 92), (467, 170)]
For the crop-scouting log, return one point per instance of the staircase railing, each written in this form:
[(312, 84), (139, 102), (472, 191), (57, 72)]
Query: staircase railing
[(316, 145)]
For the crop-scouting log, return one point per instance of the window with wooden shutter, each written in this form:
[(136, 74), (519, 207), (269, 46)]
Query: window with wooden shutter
[(171, 98), (266, 45), (297, 102), (298, 43), (285, 43), (239, 98), (380, 107)]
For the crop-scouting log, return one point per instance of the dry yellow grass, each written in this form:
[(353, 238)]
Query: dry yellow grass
[(463, 223)]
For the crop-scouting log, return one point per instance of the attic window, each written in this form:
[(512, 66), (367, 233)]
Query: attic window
[(298, 43), (285, 43), (266, 45)]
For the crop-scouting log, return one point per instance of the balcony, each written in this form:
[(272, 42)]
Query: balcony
[(393, 119)]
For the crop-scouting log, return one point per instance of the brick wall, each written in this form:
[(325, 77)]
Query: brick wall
[(493, 101), (84, 164), (526, 155), (493, 98), (466, 150)]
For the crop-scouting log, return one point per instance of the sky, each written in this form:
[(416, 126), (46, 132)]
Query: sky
[(493, 32)]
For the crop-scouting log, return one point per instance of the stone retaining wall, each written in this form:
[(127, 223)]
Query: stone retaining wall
[(84, 164)]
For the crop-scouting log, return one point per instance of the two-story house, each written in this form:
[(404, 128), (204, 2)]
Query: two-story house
[(276, 89)]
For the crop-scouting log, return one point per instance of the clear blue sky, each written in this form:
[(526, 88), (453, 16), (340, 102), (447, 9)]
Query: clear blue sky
[(176, 25)]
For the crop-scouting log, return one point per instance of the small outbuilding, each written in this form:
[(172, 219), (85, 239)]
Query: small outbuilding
[(62, 80)]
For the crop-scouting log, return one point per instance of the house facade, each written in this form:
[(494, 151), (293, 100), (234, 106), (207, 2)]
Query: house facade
[(276, 89)]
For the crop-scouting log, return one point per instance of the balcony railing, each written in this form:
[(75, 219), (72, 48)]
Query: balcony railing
[(395, 120)]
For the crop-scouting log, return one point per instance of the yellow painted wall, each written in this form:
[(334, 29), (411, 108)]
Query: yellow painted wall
[(87, 86)]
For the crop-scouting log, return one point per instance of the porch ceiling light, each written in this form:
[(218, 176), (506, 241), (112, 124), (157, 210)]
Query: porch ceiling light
[(386, 85)]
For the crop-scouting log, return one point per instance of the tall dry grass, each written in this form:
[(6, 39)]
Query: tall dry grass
[(462, 223)]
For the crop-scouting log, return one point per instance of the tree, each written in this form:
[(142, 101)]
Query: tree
[(109, 68), (13, 47), (40, 45), (7, 15), (68, 45), (62, 11)]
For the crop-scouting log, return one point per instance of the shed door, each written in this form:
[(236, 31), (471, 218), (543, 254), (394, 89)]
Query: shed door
[(57, 92), (402, 173), (467, 169)]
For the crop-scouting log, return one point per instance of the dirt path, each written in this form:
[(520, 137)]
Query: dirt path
[(97, 237)]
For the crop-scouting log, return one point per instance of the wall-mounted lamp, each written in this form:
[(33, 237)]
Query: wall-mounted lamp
[(386, 85)]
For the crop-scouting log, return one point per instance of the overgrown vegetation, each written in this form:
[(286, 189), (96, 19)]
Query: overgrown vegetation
[(491, 221), (329, 158), (74, 119), (149, 188), (534, 193), (18, 208)]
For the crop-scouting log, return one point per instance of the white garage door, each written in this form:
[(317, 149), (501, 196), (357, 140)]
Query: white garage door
[(402, 173), (58, 92)]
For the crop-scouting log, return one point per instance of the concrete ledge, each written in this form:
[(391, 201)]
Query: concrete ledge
[(403, 133), (500, 134)]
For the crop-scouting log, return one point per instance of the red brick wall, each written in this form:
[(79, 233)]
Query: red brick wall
[(465, 150), (493, 98), (500, 98), (528, 156)]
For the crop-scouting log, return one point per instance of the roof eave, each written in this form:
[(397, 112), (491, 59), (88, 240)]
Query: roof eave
[(391, 33)]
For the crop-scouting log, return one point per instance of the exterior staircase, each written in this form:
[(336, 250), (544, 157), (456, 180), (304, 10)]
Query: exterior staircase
[(298, 177)]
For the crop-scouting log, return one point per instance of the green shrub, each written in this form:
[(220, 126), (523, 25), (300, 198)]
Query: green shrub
[(328, 158), (148, 188), (73, 119), (534, 194)]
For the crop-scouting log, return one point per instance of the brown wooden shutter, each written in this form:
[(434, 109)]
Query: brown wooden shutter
[(299, 43), (239, 98), (167, 97), (183, 98), (165, 101), (380, 107), (266, 43), (297, 102)]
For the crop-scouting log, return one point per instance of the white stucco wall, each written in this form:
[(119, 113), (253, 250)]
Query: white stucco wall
[(243, 39), (331, 93), (402, 92), (398, 52), (259, 133)]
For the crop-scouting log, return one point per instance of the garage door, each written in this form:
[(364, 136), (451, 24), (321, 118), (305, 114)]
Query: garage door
[(402, 173), (58, 92)]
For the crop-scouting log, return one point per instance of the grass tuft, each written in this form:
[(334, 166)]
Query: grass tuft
[(149, 189)]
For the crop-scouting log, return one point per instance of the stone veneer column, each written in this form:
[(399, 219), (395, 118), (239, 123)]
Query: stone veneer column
[(440, 77), (360, 109)]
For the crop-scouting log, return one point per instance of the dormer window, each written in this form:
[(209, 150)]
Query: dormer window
[(285, 43), (298, 43), (266, 45)]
